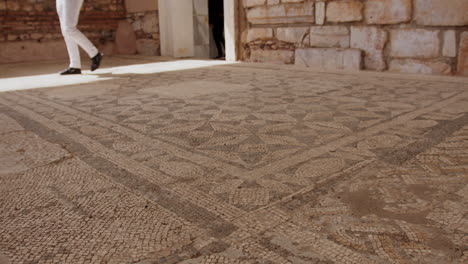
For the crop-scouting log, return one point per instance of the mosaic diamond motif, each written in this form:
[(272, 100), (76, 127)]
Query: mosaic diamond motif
[(236, 164)]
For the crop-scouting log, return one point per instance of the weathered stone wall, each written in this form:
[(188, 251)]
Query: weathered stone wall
[(142, 16), (412, 36), (30, 30)]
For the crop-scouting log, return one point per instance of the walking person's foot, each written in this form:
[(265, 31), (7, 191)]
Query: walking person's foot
[(96, 61), (71, 71)]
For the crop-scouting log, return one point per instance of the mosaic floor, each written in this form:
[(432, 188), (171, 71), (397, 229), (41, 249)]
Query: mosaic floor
[(198, 162)]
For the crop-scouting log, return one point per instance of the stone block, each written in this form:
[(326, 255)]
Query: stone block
[(441, 12), (329, 58), (320, 13), (387, 11), (414, 43), (135, 6), (37, 36), (136, 25), (259, 33), (372, 41), (11, 37), (420, 67), (463, 54), (149, 23), (148, 47), (13, 5), (27, 7), (344, 11), (11, 52), (329, 37), (450, 44), (125, 38), (251, 3), (293, 35), (272, 56), (39, 7), (282, 14), (273, 2)]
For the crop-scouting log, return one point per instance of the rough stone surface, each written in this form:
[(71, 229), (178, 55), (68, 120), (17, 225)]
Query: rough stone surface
[(450, 44), (383, 29), (344, 11), (259, 33), (146, 27), (134, 6), (372, 41), (293, 35), (414, 43), (13, 5), (420, 67), (282, 14), (149, 23), (147, 47), (441, 12), (320, 13), (125, 38), (11, 52), (387, 11), (329, 59), (329, 36), (463, 54), (272, 56), (193, 162), (251, 3)]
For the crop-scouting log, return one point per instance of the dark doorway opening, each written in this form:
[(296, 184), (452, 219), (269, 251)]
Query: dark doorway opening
[(216, 19)]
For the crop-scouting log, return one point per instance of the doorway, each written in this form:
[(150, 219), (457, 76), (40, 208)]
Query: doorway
[(182, 22), (216, 21)]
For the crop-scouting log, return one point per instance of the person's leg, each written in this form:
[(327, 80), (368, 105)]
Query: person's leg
[(72, 47), (217, 35), (223, 42), (71, 13)]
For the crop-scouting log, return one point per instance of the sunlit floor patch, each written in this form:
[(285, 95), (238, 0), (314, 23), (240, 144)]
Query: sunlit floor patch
[(29, 81)]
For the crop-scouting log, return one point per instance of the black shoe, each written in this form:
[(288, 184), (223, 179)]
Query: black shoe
[(96, 61), (70, 71)]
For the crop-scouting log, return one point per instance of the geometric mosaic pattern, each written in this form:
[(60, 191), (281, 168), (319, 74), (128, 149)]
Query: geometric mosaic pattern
[(236, 164)]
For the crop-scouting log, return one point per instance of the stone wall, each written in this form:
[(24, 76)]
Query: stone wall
[(30, 30), (411, 36), (142, 16)]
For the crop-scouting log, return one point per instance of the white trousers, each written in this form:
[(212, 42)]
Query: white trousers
[(69, 12)]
